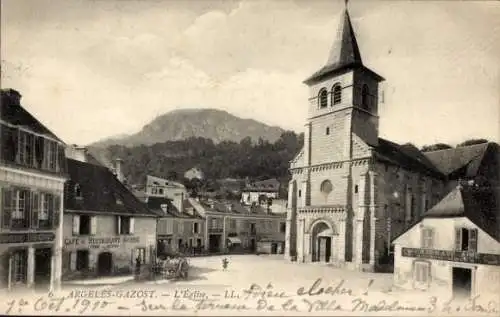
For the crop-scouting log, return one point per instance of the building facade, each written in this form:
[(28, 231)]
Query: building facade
[(260, 191), (454, 250), (233, 227), (194, 173), (180, 228), (32, 177), (351, 191), (106, 229)]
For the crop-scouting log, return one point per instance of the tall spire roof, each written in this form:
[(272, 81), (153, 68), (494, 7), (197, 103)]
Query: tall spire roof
[(344, 52)]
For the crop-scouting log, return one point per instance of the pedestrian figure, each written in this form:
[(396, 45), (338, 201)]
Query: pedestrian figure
[(137, 267), (225, 262)]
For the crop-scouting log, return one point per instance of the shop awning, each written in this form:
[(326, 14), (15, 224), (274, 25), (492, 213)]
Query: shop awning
[(234, 240), (326, 233)]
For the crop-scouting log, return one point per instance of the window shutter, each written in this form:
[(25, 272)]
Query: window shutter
[(131, 225), (473, 240), (118, 224), (432, 238), (35, 207), (7, 207), (72, 261), (76, 224), (93, 225), (458, 239), (56, 210), (422, 238)]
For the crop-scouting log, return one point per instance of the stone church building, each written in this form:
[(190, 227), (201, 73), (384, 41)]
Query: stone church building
[(352, 190)]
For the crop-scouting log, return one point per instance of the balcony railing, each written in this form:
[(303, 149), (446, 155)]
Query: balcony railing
[(215, 230)]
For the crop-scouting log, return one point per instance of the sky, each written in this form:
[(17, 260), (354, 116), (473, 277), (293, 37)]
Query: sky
[(91, 69)]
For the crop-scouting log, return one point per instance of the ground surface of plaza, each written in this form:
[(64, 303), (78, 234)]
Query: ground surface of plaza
[(251, 285)]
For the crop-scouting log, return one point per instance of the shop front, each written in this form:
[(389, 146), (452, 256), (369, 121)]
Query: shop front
[(28, 260)]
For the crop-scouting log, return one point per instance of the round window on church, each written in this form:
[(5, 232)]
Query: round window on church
[(326, 187)]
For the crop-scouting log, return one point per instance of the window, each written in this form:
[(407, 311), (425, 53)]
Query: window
[(84, 226), (125, 225), (26, 148), (19, 268), (427, 238), (233, 224), (337, 94), (323, 98), (327, 131), (198, 242), (365, 94), (9, 143), (160, 191), (78, 191), (196, 228), (356, 189), (141, 254), (46, 200), (282, 227), (82, 260), (421, 272), (300, 193), (179, 244), (252, 228), (326, 187), (465, 239), (20, 200)]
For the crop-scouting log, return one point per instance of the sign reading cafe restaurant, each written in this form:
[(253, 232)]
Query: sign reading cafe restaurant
[(104, 242), (453, 256)]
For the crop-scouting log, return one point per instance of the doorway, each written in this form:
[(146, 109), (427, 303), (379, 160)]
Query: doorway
[(253, 247), (462, 282), (324, 249), (274, 248), (214, 243), (105, 263), (43, 266)]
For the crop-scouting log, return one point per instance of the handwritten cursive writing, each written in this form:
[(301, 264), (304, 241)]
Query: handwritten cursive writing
[(56, 305), (256, 291), (359, 304), (315, 289)]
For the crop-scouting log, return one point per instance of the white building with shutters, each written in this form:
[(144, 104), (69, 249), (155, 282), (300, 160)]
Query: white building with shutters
[(32, 176), (105, 227), (454, 250)]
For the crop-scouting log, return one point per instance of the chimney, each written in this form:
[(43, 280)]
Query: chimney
[(13, 95), (77, 153), (178, 201), (118, 169)]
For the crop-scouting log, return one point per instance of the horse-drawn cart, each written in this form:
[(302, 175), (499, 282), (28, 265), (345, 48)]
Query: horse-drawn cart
[(171, 268)]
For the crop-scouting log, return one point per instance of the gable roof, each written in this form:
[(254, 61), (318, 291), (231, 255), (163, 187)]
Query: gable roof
[(344, 53), (101, 191), (13, 113), (450, 160), (155, 203), (480, 205)]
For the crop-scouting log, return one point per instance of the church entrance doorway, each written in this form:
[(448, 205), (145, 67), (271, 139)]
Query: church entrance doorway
[(322, 242)]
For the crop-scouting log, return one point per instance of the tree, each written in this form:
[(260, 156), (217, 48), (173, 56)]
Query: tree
[(435, 147), (472, 142)]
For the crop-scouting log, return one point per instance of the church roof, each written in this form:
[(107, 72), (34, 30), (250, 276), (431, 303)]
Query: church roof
[(344, 53), (406, 156)]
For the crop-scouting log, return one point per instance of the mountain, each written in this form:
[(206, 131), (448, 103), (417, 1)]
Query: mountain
[(216, 125)]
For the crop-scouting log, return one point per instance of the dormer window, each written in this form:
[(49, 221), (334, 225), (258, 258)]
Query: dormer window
[(323, 98), (78, 191), (365, 94), (337, 94)]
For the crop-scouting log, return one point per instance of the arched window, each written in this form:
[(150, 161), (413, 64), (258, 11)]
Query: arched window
[(337, 94), (326, 187), (323, 98), (365, 95)]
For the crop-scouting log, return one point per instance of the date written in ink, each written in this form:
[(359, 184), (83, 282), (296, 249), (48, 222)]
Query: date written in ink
[(56, 305)]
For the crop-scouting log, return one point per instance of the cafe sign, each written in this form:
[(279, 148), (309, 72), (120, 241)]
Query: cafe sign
[(7, 238), (452, 256), (100, 242)]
